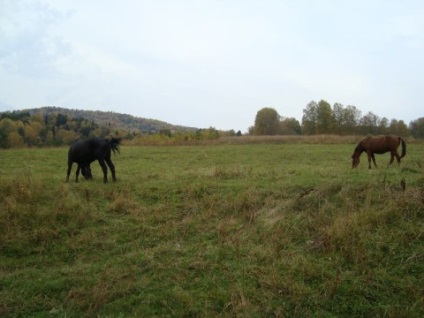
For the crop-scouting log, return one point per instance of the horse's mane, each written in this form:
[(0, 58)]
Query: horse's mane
[(114, 144), (360, 146)]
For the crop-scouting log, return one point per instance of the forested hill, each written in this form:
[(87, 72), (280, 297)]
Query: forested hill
[(111, 119), (56, 126)]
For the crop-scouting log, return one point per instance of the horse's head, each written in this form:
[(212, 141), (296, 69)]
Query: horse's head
[(359, 149), (356, 154), (86, 172), (355, 159)]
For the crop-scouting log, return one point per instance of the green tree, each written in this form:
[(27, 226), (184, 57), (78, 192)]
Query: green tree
[(325, 119), (369, 123), (346, 119), (61, 119), (338, 114), (417, 127), (86, 130), (267, 122), (290, 126), (309, 119), (165, 132), (398, 127), (4, 141), (351, 118), (383, 126), (210, 133), (16, 115)]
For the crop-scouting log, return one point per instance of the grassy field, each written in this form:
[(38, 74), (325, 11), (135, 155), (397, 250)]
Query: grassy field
[(246, 230)]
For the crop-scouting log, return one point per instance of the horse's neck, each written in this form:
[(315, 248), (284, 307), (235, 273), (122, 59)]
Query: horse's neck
[(360, 148)]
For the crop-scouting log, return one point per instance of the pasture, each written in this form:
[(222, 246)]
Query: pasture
[(246, 230)]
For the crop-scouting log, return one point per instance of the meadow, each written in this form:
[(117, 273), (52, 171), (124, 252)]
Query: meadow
[(231, 230)]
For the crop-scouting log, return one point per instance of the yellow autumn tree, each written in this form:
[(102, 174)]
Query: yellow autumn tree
[(15, 140), (66, 136), (32, 132)]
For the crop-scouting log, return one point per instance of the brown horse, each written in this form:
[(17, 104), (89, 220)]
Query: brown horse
[(379, 145)]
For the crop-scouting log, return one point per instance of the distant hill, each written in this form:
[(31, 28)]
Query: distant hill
[(111, 119), (57, 126)]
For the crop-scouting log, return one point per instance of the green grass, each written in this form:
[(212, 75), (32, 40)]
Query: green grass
[(259, 230)]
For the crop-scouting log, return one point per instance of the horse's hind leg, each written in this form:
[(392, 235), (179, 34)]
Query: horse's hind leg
[(392, 157), (111, 167), (395, 154)]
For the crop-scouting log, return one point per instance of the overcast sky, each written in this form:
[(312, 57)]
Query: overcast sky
[(213, 63)]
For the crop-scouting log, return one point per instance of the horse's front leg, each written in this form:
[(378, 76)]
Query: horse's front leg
[(373, 160), (77, 173), (369, 160), (111, 167), (69, 171), (104, 168)]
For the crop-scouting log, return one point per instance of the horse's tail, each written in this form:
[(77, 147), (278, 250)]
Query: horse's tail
[(403, 147), (114, 144)]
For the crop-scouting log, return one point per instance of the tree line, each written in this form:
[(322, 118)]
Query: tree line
[(321, 118), (51, 128), (21, 128)]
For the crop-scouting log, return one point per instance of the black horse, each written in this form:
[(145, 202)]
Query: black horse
[(85, 152)]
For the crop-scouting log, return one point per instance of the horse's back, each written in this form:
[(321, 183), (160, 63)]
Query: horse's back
[(81, 152), (375, 144), (92, 149), (393, 142), (100, 147), (383, 144)]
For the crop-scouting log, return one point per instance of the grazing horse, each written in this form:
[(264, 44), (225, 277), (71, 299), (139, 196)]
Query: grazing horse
[(85, 171), (85, 152), (379, 145)]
